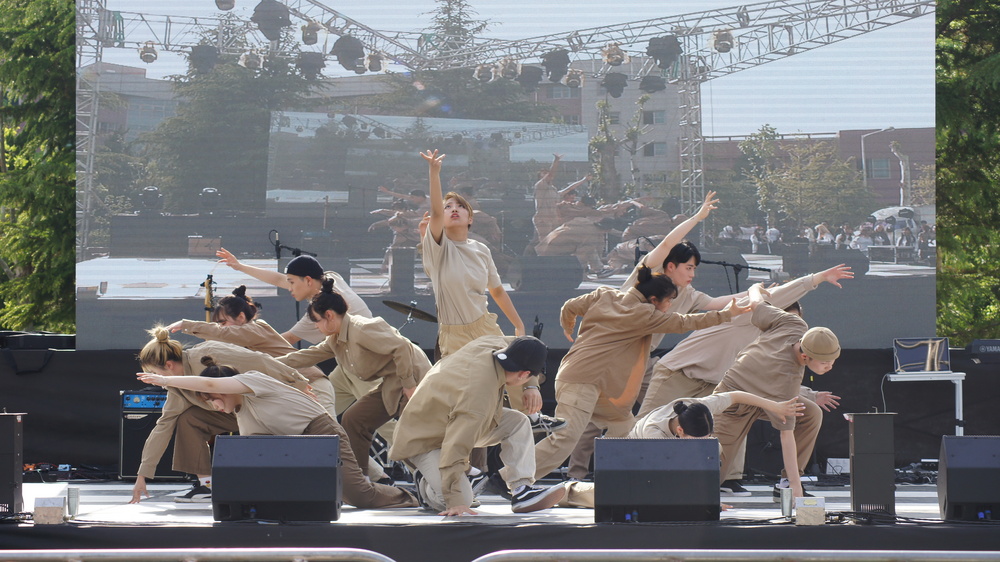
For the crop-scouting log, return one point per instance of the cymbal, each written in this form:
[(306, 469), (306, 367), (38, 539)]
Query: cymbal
[(410, 310)]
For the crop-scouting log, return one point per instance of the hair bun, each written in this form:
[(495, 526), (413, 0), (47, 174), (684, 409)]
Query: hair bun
[(328, 284), (162, 334), (680, 408), (207, 361)]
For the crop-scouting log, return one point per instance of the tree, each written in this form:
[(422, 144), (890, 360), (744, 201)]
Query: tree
[(37, 164), (968, 169), (219, 137), (604, 148), (760, 149), (457, 92), (813, 184)]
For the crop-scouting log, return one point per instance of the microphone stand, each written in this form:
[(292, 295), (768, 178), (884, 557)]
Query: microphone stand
[(737, 268)]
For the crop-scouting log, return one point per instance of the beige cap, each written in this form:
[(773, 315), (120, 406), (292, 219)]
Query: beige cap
[(821, 344)]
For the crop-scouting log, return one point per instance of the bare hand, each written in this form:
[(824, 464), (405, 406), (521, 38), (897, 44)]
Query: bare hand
[(152, 378), (836, 273), (532, 400), (457, 511), (791, 407), (707, 206), (422, 227), (408, 392), (383, 189), (139, 489), (176, 326), (433, 160), (735, 309), (827, 400), (568, 335), (227, 257)]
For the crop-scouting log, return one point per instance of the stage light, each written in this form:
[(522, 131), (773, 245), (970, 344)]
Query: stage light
[(614, 83), (556, 64), (270, 16), (251, 60), (204, 58), (722, 41), (507, 68), (529, 77), (350, 53), (483, 73), (225, 5), (150, 200), (652, 84), (664, 50), (574, 78), (614, 55), (310, 33), (210, 200), (310, 64), (148, 52), (374, 62)]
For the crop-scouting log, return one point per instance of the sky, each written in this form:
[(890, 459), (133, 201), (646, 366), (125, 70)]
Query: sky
[(881, 79)]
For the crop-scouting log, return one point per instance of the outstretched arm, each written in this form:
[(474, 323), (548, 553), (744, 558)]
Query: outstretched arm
[(268, 276), (226, 385), (788, 408), (436, 223), (574, 185), (662, 250)]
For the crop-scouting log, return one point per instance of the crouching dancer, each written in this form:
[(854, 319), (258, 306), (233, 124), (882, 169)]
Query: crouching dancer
[(459, 406), (264, 406)]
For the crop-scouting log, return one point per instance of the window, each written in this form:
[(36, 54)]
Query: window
[(878, 169), (563, 92), (654, 117), (615, 117), (655, 149)]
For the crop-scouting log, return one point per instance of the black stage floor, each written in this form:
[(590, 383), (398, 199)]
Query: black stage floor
[(105, 520)]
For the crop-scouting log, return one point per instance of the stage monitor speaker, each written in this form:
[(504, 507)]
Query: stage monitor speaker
[(555, 274), (642, 480), (873, 473), (11, 464), (967, 485), (276, 477), (140, 411)]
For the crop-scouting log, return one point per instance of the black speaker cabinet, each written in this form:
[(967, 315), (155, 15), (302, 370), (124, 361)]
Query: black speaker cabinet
[(140, 410), (11, 463), (873, 471), (276, 477), (545, 273), (967, 485), (641, 480)]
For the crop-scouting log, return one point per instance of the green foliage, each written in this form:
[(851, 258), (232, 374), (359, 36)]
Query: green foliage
[(814, 185), (968, 169), (37, 168), (219, 137), (760, 149)]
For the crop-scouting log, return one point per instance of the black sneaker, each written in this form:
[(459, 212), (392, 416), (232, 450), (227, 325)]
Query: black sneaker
[(417, 478), (547, 424), (479, 483), (783, 485), (497, 487), (198, 494), (733, 488), (534, 499)]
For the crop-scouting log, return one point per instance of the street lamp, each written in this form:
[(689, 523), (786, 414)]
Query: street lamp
[(864, 162)]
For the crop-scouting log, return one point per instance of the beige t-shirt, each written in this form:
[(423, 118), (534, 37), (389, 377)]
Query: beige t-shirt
[(656, 424), (274, 408), (460, 273)]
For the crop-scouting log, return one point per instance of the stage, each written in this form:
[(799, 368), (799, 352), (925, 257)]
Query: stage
[(105, 520)]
